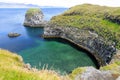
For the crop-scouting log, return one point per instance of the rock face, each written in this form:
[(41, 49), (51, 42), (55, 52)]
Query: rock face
[(94, 74), (113, 18), (86, 39), (11, 35), (34, 18)]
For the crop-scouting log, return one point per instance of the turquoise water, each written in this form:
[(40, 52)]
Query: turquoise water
[(56, 53)]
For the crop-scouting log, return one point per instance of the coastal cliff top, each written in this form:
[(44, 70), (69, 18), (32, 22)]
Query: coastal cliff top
[(105, 21), (33, 11)]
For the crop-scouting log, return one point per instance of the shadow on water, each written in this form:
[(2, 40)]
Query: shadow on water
[(64, 41), (34, 32)]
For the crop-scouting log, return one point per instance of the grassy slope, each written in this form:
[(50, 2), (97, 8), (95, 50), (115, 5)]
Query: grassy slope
[(92, 17), (11, 68)]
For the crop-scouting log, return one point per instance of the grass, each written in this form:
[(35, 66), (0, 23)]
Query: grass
[(12, 68), (101, 19), (30, 12), (110, 67), (77, 71)]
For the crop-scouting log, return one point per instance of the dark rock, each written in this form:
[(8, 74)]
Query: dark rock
[(13, 35)]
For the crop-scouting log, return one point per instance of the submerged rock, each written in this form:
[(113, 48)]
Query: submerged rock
[(13, 35), (34, 18)]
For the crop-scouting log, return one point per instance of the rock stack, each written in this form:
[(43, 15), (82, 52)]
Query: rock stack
[(34, 18)]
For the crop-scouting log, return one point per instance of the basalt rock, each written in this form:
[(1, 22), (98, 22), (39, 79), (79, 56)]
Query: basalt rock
[(34, 18), (102, 50)]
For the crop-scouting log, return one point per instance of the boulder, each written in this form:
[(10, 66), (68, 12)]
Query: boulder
[(34, 18), (11, 35), (94, 74)]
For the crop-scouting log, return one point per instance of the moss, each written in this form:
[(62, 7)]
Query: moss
[(117, 62), (109, 67), (77, 71), (91, 17)]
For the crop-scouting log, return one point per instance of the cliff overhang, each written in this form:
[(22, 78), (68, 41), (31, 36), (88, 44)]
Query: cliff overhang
[(102, 50)]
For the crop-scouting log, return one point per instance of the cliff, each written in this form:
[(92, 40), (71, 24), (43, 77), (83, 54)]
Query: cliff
[(102, 20), (89, 27)]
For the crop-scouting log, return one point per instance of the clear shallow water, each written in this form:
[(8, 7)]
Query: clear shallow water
[(35, 50)]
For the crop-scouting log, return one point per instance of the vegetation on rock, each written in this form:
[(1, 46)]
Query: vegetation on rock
[(32, 11), (34, 18), (105, 21), (77, 71), (114, 66)]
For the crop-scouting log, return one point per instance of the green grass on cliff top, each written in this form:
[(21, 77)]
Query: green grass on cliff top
[(32, 11), (92, 17)]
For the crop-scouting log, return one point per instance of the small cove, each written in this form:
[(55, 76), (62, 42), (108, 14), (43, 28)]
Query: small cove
[(56, 53)]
